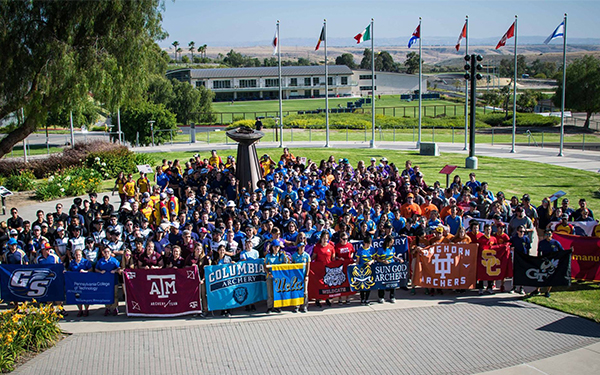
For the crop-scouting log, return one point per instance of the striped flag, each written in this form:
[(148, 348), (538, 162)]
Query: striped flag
[(275, 42), (321, 38), (559, 32), (415, 35), (364, 35), (509, 34), (463, 34)]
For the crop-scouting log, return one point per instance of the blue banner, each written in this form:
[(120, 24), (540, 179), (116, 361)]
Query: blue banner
[(288, 284), (400, 246), (42, 282), (378, 276), (90, 288), (233, 285)]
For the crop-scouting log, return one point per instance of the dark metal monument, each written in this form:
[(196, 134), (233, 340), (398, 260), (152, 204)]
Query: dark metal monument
[(247, 165)]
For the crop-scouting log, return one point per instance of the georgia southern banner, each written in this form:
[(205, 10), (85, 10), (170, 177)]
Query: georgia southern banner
[(42, 282), (288, 284), (378, 276), (89, 288), (494, 263), (550, 270), (233, 285), (447, 266), (585, 263), (162, 292), (328, 280)]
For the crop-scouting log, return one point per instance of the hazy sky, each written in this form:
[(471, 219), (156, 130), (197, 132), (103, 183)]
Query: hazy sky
[(222, 22)]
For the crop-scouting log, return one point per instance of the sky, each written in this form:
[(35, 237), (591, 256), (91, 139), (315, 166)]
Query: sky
[(224, 22)]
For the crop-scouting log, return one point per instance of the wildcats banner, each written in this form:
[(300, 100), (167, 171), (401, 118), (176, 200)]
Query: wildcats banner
[(42, 282), (288, 284), (585, 263), (447, 266), (378, 276), (551, 270), (328, 281), (494, 263), (162, 292), (233, 285), (90, 288)]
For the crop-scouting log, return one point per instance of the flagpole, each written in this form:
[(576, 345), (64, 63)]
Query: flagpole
[(326, 89), (466, 83), (372, 88), (280, 93), (514, 125), (420, 84), (564, 82)]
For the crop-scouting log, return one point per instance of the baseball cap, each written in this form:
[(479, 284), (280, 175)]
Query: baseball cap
[(13, 232), (373, 159), (384, 159), (231, 204), (60, 229), (566, 200), (565, 216), (175, 225), (163, 195), (203, 230), (170, 191), (410, 195), (473, 204), (301, 244), (439, 229), (12, 241)]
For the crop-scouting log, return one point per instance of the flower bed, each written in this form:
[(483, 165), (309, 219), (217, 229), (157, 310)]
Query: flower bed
[(68, 183)]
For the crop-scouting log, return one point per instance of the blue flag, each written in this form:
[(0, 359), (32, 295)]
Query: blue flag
[(288, 284), (559, 32), (233, 285), (89, 288), (23, 283)]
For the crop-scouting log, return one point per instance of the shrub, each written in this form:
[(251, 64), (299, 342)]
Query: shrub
[(71, 182), (523, 119), (109, 163), (23, 181)]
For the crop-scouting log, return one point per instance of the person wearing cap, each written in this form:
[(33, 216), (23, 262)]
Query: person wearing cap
[(410, 208), (114, 245), (275, 256), (300, 256), (47, 256), (61, 242), (91, 251), (566, 209), (173, 203), (14, 255), (577, 215), (473, 212), (521, 219), (546, 247), (564, 226), (34, 244)]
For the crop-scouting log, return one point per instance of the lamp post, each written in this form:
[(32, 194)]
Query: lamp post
[(472, 67), (151, 122)]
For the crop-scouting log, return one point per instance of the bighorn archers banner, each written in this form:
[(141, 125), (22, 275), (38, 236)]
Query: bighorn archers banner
[(494, 263), (162, 292), (89, 288), (378, 276), (447, 266), (328, 280), (233, 285), (585, 262), (549, 270), (288, 284), (42, 282)]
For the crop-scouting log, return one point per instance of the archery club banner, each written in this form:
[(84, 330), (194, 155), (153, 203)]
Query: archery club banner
[(89, 288), (328, 280), (494, 263), (585, 262), (42, 282), (288, 284), (233, 285), (378, 276), (400, 246), (162, 292), (550, 270), (447, 266)]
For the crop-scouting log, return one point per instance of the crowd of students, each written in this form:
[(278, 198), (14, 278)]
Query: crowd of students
[(196, 213)]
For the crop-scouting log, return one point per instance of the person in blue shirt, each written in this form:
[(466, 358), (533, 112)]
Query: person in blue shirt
[(110, 264), (454, 221), (472, 183), (546, 247), (364, 257), (273, 257), (14, 255), (80, 264), (398, 222), (302, 257), (385, 255), (46, 256)]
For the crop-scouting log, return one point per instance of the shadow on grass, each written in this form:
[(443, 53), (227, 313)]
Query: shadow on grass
[(577, 285)]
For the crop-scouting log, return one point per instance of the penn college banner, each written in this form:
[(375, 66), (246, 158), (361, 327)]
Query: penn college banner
[(328, 281), (447, 266), (585, 263), (551, 270), (378, 276), (494, 263), (23, 283), (288, 284), (233, 285), (89, 288), (162, 292)]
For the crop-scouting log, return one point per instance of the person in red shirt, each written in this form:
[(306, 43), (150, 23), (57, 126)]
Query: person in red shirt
[(501, 236), (323, 252), (474, 233), (486, 241), (344, 251)]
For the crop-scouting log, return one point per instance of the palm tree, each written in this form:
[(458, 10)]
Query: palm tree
[(204, 49), (175, 44), (178, 51), (192, 45)]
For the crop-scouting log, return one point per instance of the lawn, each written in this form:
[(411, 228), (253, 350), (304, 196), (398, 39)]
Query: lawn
[(580, 299)]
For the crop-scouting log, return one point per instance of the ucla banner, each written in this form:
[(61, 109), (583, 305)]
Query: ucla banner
[(378, 276), (89, 288), (550, 270), (42, 282), (288, 284), (233, 285)]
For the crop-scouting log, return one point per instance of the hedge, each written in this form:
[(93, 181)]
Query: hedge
[(531, 120)]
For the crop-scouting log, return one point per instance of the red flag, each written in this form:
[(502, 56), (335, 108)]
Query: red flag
[(329, 280), (585, 263), (463, 34), (275, 41), (494, 263), (509, 34), (321, 38)]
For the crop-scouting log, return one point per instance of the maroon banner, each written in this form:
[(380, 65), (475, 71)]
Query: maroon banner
[(329, 280), (585, 261), (494, 263), (162, 292)]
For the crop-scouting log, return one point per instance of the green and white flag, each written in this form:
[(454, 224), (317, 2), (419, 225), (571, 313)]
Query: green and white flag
[(364, 35)]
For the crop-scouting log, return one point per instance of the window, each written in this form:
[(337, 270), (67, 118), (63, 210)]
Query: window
[(225, 84), (366, 88), (247, 83), (200, 83), (307, 82), (315, 81), (293, 81), (344, 80), (272, 82), (330, 81), (366, 76)]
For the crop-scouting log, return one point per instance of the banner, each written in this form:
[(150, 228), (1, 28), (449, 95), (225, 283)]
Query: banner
[(329, 281), (494, 263), (551, 270), (162, 292), (585, 262), (288, 284), (447, 266), (90, 288), (580, 228), (378, 276), (23, 283), (291, 250), (400, 246), (233, 285)]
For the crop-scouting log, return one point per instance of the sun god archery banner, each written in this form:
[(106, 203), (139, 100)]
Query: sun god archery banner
[(378, 276), (447, 266)]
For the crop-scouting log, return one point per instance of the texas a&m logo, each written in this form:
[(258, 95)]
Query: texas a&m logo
[(162, 285), (31, 283)]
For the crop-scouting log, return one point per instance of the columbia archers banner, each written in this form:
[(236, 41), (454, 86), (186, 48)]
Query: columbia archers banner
[(288, 284), (585, 263), (42, 282), (233, 285), (447, 266), (378, 276), (90, 288), (328, 280), (162, 292), (551, 270), (494, 263)]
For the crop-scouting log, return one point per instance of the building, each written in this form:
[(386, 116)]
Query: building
[(386, 83)]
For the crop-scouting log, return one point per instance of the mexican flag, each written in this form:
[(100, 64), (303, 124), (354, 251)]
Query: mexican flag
[(364, 35)]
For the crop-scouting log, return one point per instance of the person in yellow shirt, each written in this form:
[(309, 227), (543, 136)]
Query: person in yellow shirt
[(267, 164), (155, 197), (119, 186), (147, 209), (130, 188), (215, 160), (143, 184)]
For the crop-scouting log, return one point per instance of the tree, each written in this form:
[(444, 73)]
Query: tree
[(192, 46), (582, 88), (385, 62), (365, 63), (204, 50), (528, 100), (346, 59), (178, 52), (56, 52), (204, 112), (492, 98), (160, 91), (412, 62), (303, 61), (185, 59), (175, 45), (506, 95), (134, 123), (507, 66), (186, 101)]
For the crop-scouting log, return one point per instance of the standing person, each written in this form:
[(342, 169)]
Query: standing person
[(362, 257), (199, 259), (521, 243), (273, 257), (344, 251), (258, 125), (302, 257), (323, 252), (385, 255), (80, 264), (108, 263), (546, 247), (119, 186), (486, 241)]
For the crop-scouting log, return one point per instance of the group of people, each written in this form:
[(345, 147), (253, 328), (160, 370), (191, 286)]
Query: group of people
[(197, 214)]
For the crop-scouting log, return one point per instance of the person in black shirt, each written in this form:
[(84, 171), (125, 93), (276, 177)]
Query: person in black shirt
[(106, 209), (15, 221), (59, 215)]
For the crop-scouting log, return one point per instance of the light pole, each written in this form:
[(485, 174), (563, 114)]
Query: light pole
[(151, 122)]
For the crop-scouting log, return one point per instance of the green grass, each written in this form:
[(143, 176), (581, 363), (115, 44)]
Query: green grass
[(35, 149), (579, 299)]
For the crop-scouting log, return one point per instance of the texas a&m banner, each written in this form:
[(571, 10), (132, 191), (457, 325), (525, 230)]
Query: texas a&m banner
[(494, 263), (237, 284), (549, 270), (585, 262), (162, 292), (328, 280), (90, 288), (42, 282), (288, 284), (378, 276), (447, 266)]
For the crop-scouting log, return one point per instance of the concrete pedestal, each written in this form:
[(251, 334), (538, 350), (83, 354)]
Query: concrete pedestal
[(247, 166), (471, 162)]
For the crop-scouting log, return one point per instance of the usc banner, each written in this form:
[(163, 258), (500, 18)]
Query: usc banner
[(162, 292), (585, 262), (494, 263), (329, 280), (447, 266)]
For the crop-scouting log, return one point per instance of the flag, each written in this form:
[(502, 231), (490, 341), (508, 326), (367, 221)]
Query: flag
[(275, 42), (447, 266), (321, 38), (364, 35), (509, 34), (559, 32), (415, 35), (463, 34), (550, 270)]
